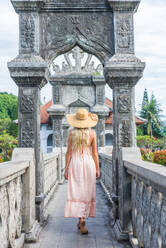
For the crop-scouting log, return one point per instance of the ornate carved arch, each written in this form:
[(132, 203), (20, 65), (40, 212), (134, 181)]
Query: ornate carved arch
[(88, 31)]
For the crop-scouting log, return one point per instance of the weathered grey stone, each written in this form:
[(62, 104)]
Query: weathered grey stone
[(101, 28), (31, 227), (148, 198)]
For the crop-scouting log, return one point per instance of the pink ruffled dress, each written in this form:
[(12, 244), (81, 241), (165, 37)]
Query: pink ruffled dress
[(81, 194)]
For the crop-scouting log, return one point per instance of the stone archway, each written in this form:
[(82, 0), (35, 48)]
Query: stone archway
[(49, 28), (77, 81)]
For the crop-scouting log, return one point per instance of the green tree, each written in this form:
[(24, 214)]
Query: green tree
[(8, 106), (143, 113), (7, 144), (151, 112), (8, 113), (145, 101), (153, 120)]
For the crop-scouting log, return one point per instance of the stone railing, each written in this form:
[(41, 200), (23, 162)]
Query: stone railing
[(106, 171), (17, 200), (52, 174), (141, 201), (146, 201)]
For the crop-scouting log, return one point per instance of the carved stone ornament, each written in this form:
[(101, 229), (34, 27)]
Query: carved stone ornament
[(124, 103), (124, 133), (163, 223), (4, 215), (100, 94), (27, 103), (27, 31), (27, 134), (154, 218), (83, 64), (123, 31), (90, 31), (56, 93), (57, 124)]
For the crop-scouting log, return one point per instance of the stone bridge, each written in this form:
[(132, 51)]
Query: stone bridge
[(140, 205), (131, 194)]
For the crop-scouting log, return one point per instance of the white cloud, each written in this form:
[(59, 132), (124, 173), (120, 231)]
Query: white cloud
[(150, 43)]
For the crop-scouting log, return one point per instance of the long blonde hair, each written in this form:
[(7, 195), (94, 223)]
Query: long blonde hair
[(79, 138)]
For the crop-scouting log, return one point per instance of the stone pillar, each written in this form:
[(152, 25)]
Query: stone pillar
[(57, 131), (28, 72), (57, 113), (122, 72), (100, 109), (56, 91), (100, 128), (29, 78)]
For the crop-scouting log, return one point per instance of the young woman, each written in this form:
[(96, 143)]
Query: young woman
[(82, 167)]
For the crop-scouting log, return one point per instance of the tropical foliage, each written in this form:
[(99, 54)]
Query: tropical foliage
[(8, 130), (150, 111), (150, 142), (158, 157), (7, 144)]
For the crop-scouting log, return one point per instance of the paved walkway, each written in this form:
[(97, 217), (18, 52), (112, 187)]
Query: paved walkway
[(62, 232)]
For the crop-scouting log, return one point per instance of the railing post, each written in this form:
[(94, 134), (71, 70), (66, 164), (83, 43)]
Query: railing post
[(30, 225)]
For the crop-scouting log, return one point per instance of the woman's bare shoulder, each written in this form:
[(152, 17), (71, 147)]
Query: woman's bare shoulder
[(92, 132)]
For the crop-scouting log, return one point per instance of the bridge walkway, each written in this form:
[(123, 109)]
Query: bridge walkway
[(62, 232)]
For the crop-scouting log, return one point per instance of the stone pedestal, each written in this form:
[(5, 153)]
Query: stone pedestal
[(122, 72)]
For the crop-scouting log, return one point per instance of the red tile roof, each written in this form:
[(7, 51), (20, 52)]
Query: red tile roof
[(109, 103), (44, 116)]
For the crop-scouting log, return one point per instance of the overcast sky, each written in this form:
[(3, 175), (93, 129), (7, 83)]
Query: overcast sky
[(150, 47)]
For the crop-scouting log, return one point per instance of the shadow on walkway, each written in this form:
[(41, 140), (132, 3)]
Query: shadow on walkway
[(62, 232)]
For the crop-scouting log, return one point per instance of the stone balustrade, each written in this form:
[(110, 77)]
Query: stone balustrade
[(17, 202), (52, 174), (18, 219), (106, 170), (141, 198), (148, 197)]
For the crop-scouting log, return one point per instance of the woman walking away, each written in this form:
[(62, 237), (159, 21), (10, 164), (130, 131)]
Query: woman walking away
[(82, 167)]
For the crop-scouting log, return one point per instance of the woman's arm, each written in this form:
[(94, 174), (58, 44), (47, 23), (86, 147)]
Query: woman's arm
[(95, 155), (68, 155)]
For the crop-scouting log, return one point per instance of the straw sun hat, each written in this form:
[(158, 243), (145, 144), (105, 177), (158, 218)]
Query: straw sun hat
[(82, 119)]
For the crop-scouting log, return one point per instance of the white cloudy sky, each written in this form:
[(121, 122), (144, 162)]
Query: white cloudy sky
[(150, 46)]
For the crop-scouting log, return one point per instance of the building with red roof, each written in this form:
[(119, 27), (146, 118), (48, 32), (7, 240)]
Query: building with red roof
[(47, 131)]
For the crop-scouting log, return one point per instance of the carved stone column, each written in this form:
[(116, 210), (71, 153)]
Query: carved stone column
[(100, 109), (28, 72), (29, 77), (56, 90), (57, 115), (122, 72), (101, 131)]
